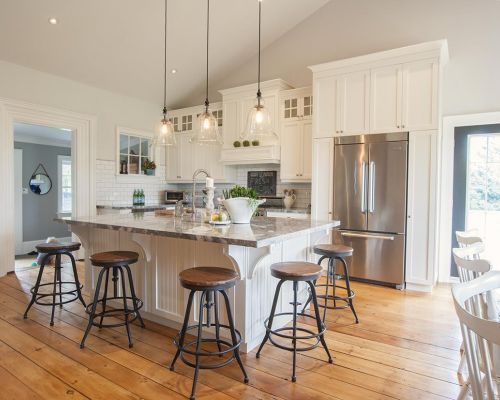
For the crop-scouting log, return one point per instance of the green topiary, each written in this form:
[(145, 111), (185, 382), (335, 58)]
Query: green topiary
[(237, 143), (240, 191), (246, 143), (255, 143)]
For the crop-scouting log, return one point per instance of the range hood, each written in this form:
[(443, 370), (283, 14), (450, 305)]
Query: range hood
[(268, 154)]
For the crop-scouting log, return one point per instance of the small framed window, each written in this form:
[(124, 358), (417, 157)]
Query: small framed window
[(291, 108), (187, 123), (64, 185), (308, 105), (134, 152)]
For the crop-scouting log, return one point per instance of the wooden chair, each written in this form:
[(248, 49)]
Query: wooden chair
[(470, 239), (476, 309), (469, 268)]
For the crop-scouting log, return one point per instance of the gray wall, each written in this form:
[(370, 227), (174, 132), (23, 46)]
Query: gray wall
[(347, 28), (39, 211)]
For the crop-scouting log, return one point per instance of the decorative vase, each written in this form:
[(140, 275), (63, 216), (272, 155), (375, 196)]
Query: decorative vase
[(150, 172), (241, 209), (288, 201)]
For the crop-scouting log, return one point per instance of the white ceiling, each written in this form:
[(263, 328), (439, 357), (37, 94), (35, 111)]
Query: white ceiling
[(118, 44), (38, 134)]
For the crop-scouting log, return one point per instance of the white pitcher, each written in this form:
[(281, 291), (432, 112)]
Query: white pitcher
[(288, 200)]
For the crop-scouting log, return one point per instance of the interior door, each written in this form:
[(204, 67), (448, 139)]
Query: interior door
[(18, 199), (350, 188), (387, 187)]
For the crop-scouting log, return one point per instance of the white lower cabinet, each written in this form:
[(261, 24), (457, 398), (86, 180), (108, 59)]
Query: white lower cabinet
[(296, 153), (421, 214)]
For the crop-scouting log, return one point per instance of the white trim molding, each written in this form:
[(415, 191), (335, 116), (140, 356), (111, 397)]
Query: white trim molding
[(83, 150), (445, 183)]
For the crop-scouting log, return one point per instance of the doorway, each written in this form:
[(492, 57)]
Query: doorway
[(44, 187), (476, 186)]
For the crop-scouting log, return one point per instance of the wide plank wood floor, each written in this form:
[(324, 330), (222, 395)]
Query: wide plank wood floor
[(405, 347)]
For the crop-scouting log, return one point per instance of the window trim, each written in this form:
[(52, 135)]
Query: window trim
[(60, 160)]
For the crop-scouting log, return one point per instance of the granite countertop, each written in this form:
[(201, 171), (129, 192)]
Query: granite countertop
[(148, 207), (289, 211), (261, 232)]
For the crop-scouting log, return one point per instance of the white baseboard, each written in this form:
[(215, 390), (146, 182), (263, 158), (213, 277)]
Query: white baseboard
[(417, 287), (30, 246)]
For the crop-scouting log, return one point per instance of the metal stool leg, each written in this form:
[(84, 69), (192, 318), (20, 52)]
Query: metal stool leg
[(198, 345), (134, 297), (310, 296), (328, 274), (319, 322), (54, 290), (271, 317), (77, 281), (348, 287), (125, 307), (37, 285), (183, 329), (94, 306), (294, 329), (58, 272), (217, 325), (236, 351), (105, 297)]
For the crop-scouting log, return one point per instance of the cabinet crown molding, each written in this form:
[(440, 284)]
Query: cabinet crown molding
[(270, 85), (437, 48)]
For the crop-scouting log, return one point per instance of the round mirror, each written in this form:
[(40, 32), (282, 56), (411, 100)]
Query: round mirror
[(40, 184)]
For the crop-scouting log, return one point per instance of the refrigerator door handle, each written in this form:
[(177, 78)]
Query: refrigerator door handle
[(371, 188), (363, 186), (367, 236)]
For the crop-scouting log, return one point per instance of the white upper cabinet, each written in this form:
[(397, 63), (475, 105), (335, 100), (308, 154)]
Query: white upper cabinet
[(385, 102), (353, 103), (296, 135), (325, 106), (420, 95)]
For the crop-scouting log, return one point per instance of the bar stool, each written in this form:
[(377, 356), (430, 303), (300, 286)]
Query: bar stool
[(56, 250), (209, 281), (295, 272), (334, 252), (116, 261)]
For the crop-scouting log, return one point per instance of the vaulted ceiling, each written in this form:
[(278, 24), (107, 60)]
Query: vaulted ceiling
[(118, 44)]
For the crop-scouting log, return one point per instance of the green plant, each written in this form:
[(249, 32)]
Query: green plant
[(237, 143), (147, 164), (255, 143), (246, 143), (239, 191)]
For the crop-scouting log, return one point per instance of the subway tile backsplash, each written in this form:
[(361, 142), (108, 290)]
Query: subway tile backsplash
[(113, 190)]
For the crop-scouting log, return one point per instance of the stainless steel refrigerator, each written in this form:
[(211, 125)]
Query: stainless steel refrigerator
[(370, 180)]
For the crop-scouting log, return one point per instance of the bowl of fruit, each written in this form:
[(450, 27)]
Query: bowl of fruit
[(220, 217)]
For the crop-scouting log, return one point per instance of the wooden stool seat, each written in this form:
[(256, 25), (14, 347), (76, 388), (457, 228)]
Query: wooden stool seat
[(333, 250), (57, 247), (114, 258), (204, 278), (296, 271)]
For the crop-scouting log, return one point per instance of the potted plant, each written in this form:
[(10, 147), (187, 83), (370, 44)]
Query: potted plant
[(148, 167), (241, 203)]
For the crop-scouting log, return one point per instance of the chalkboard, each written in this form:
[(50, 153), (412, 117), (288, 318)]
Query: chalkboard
[(264, 182)]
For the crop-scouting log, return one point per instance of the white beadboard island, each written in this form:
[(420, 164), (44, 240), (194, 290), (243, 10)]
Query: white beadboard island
[(168, 245)]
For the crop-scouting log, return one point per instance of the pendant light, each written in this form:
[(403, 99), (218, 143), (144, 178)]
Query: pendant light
[(166, 135), (207, 132), (259, 125)]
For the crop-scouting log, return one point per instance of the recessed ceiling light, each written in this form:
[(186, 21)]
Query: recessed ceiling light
[(173, 71), (53, 21)]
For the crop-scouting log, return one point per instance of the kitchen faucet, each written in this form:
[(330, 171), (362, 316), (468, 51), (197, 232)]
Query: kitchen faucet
[(195, 175)]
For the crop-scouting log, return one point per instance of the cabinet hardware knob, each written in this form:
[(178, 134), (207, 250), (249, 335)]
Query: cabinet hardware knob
[(402, 126)]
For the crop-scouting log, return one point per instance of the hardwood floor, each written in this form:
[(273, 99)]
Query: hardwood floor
[(405, 347)]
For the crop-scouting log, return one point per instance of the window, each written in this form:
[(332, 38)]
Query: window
[(64, 187), (308, 102), (134, 150)]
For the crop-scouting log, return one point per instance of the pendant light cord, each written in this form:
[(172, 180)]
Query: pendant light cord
[(208, 31), (165, 67), (259, 94)]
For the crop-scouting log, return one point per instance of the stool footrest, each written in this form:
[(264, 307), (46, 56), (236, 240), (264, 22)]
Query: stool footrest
[(57, 293), (230, 348), (115, 312)]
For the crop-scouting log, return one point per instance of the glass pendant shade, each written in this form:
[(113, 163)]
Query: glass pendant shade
[(259, 126), (166, 135), (207, 130)]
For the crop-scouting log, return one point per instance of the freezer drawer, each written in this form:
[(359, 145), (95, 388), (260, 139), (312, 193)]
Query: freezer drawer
[(377, 256)]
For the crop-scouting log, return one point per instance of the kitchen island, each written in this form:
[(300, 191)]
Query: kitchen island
[(168, 245)]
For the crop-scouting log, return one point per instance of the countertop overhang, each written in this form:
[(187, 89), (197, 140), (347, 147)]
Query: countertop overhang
[(262, 231)]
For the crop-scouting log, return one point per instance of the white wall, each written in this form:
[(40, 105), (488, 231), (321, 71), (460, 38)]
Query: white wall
[(21, 83), (347, 28)]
